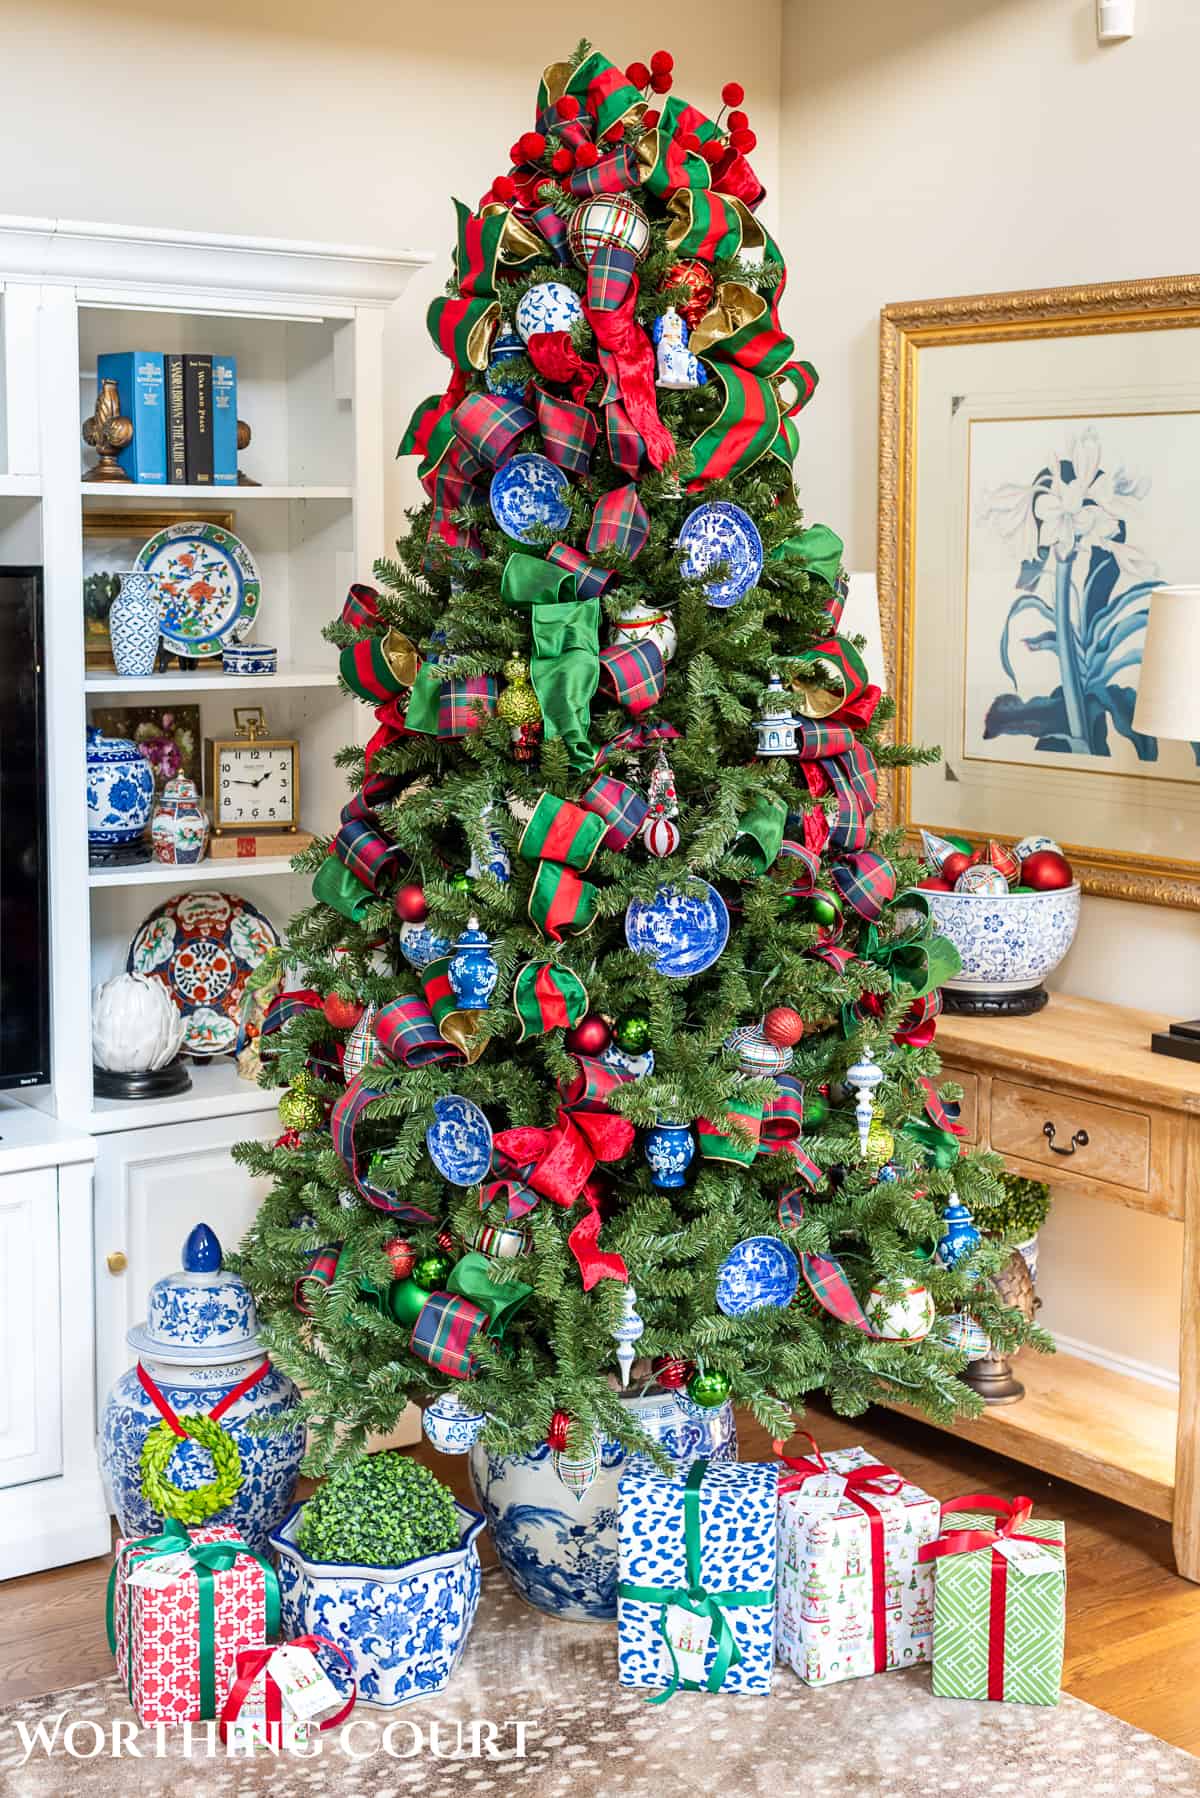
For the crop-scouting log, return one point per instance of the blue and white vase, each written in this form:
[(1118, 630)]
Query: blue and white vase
[(404, 1628), (199, 1341), (452, 1424), (120, 790), (473, 972), (134, 623), (559, 1549), (669, 1149), (961, 1238)]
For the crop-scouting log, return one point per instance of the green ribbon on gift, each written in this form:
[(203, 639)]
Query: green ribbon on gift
[(207, 1559), (696, 1598), (760, 831), (942, 1148), (334, 884), (470, 1278), (565, 664), (819, 548)]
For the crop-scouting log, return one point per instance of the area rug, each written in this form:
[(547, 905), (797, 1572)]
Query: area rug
[(586, 1737)]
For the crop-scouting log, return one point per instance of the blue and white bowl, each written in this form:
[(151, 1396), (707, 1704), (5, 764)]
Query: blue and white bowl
[(529, 493), (680, 933), (249, 658), (459, 1140), (757, 1274), (1010, 942), (404, 1628)]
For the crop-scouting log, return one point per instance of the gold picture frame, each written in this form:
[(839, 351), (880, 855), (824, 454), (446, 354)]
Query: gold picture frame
[(910, 383), (111, 539)]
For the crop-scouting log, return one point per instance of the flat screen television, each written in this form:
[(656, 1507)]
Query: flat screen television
[(24, 900)]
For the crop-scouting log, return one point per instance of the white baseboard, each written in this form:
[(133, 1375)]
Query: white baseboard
[(1166, 1377)]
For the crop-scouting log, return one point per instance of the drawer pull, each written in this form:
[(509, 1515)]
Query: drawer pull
[(1078, 1141)]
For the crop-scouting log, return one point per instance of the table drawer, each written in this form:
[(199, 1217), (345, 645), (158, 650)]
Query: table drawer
[(1099, 1142), (968, 1115)]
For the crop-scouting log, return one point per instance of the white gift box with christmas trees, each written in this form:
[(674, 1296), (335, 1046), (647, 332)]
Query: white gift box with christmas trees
[(852, 1597)]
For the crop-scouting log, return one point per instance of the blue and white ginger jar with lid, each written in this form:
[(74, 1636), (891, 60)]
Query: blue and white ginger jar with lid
[(120, 790), (199, 1342), (473, 972)]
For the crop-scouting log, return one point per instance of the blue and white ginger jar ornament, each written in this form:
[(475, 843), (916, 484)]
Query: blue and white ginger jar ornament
[(473, 972), (961, 1238), (120, 791), (776, 726), (198, 1342), (669, 1149), (452, 1423), (506, 347)]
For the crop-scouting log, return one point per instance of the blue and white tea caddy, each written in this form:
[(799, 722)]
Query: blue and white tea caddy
[(199, 1342), (473, 972)]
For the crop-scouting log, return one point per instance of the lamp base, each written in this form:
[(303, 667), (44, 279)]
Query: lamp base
[(1180, 1040)]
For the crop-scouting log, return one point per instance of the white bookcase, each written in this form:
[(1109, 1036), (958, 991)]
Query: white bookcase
[(305, 322)]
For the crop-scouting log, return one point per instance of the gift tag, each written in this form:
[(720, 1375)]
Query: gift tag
[(1027, 1557), (161, 1571), (825, 1485), (688, 1636), (302, 1681)]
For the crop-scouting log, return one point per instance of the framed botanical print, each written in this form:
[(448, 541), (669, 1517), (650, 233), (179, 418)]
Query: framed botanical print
[(1039, 477)]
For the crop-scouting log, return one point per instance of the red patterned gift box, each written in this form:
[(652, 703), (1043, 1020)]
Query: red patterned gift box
[(176, 1643)]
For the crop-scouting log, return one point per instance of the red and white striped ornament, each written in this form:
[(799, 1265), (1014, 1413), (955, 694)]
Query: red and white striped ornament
[(661, 836), (660, 833)]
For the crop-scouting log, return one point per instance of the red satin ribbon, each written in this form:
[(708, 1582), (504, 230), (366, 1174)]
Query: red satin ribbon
[(619, 334), (163, 1405), (555, 357), (558, 1164), (962, 1542), (250, 1663), (885, 1482)]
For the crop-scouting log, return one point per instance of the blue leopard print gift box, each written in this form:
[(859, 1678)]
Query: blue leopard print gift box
[(696, 1590)]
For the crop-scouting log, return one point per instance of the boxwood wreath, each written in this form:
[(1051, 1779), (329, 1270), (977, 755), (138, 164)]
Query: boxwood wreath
[(200, 1502)]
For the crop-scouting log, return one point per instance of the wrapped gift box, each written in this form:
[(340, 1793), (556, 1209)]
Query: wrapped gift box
[(157, 1625), (712, 1527), (853, 1597), (999, 1609)]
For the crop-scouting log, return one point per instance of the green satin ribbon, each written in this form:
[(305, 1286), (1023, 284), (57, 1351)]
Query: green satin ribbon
[(565, 664), (763, 824), (922, 961), (207, 1558), (819, 548), (425, 700), (942, 1148), (334, 884), (470, 1279), (694, 1597)]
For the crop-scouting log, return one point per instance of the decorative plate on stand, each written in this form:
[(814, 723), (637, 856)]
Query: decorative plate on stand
[(207, 586), (682, 934), (203, 947), (526, 492), (720, 532)]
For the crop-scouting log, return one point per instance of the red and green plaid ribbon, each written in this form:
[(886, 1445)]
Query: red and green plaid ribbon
[(620, 521), (615, 173), (826, 1280), (560, 831), (833, 760), (561, 904), (517, 1199), (406, 1031), (280, 1012), (621, 806), (866, 882), (344, 1121), (446, 1326), (590, 582), (365, 853), (547, 996), (635, 739), (554, 229), (634, 674), (361, 607), (568, 431), (626, 450), (719, 1141), (592, 1082), (625, 352), (460, 703), (491, 425), (316, 1277)]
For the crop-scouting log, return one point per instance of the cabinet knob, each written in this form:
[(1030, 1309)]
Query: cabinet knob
[(117, 1262)]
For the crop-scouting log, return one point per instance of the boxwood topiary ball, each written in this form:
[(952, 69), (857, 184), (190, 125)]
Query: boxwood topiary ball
[(380, 1511)]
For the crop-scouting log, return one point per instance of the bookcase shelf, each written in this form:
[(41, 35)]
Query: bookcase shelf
[(108, 493), (181, 685), (213, 870)]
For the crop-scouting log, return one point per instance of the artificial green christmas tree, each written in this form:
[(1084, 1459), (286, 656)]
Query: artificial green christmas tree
[(610, 880)]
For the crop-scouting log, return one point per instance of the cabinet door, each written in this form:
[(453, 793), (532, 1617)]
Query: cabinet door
[(151, 1187), (30, 1349)]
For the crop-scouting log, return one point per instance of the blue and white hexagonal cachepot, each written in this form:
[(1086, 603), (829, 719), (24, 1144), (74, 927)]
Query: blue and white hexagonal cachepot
[(404, 1628), (559, 1550)]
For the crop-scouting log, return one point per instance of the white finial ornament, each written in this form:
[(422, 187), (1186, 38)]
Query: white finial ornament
[(628, 1331), (866, 1077)]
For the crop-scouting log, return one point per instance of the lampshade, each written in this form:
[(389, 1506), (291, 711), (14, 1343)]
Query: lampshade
[(1168, 700)]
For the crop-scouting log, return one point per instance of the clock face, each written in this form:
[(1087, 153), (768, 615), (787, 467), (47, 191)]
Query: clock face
[(255, 786)]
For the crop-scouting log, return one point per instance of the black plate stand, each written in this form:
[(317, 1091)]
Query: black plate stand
[(160, 1083), (995, 1005)]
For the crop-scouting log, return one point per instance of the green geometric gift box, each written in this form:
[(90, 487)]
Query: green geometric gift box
[(998, 1625)]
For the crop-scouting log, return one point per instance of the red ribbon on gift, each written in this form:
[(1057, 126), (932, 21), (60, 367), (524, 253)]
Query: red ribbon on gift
[(884, 1482), (964, 1542), (251, 1662), (558, 1163)]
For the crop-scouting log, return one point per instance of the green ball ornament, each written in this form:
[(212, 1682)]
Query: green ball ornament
[(709, 1389), (823, 910), (816, 1110), (460, 883), (405, 1299), (632, 1032), (300, 1110), (432, 1271)]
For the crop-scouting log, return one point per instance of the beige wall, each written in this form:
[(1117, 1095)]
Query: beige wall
[(938, 147)]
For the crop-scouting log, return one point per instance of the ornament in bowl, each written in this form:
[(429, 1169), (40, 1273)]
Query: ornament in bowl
[(137, 1034)]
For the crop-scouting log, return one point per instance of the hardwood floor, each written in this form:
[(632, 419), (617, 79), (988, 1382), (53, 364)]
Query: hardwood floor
[(1133, 1626)]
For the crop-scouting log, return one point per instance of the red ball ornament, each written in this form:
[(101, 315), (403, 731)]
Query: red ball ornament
[(954, 865), (662, 62), (591, 1036), (783, 1026), (745, 141), (343, 1014), (738, 121), (650, 118), (504, 187), (586, 156), (662, 84), (933, 883), (291, 1139), (533, 145), (567, 107), (445, 1240), (410, 905), (733, 93), (1046, 871), (637, 74), (697, 277), (401, 1256), (561, 161), (673, 1372), (556, 1435)]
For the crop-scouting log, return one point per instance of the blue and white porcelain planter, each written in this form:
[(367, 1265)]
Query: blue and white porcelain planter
[(133, 624), (560, 1551), (198, 1342), (404, 1628), (1010, 942), (120, 790)]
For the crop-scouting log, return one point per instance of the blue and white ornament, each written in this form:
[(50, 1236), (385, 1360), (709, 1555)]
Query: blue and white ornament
[(506, 347), (961, 1236), (497, 863), (776, 726), (1033, 846), (459, 1140), (550, 306), (472, 972), (718, 532), (420, 944), (629, 1330), (865, 1077), (669, 1149), (680, 933), (678, 369), (757, 1274), (529, 493), (451, 1424), (637, 1067)]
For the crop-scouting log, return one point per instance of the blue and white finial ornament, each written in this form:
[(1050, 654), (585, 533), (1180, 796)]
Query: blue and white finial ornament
[(202, 1251), (866, 1077), (628, 1331)]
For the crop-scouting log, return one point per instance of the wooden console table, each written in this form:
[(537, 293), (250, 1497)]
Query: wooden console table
[(1074, 1096)]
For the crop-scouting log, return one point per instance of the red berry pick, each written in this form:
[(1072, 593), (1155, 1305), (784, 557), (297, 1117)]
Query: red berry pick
[(743, 141), (662, 84), (562, 161), (567, 107), (533, 145), (737, 121), (637, 74), (662, 62), (504, 187), (733, 93), (586, 156), (650, 118)]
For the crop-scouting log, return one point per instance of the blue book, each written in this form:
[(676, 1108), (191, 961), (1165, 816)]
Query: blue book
[(139, 378), (224, 421)]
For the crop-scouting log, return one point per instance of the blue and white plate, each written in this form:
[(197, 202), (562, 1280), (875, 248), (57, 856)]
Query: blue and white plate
[(681, 933), (459, 1140), (760, 1272), (420, 944), (716, 532), (550, 306), (527, 492), (206, 585)]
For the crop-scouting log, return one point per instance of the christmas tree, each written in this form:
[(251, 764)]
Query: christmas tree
[(608, 1035)]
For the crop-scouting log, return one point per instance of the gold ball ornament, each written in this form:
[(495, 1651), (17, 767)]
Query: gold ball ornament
[(518, 703), (881, 1144), (300, 1110)]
